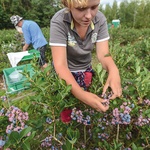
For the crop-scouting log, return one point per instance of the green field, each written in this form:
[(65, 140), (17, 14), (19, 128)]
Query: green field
[(30, 119)]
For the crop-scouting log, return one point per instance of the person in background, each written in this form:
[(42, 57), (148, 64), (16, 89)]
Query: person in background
[(32, 35), (74, 31)]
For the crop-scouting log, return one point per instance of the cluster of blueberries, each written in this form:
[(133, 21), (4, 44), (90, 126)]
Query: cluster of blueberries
[(141, 121), (49, 120), (47, 142), (79, 117), (17, 119), (121, 117)]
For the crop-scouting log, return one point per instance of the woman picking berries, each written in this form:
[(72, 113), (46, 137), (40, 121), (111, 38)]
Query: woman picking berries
[(74, 31)]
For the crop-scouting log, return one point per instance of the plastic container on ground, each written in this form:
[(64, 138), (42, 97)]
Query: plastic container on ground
[(116, 23), (19, 83), (16, 75)]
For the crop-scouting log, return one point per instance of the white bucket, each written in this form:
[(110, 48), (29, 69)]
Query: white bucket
[(16, 76)]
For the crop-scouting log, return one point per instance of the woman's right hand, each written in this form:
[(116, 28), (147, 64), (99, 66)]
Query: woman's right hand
[(94, 101), (101, 107)]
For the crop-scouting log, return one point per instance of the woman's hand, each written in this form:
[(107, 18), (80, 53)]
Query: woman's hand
[(114, 82), (94, 101), (101, 107)]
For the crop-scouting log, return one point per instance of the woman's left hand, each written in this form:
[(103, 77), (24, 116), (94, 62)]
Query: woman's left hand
[(114, 82)]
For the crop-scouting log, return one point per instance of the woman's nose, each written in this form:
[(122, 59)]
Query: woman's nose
[(88, 14)]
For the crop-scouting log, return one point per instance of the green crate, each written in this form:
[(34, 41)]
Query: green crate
[(22, 84), (116, 23), (33, 53)]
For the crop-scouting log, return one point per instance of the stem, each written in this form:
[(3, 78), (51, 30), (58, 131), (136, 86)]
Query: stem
[(54, 122), (43, 104), (8, 102), (85, 134), (57, 140), (20, 98), (148, 145), (117, 137)]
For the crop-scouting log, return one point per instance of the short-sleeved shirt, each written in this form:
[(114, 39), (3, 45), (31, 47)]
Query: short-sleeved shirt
[(63, 33), (33, 34)]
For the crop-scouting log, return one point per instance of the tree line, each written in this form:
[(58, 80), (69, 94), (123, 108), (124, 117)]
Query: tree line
[(134, 13), (37, 10)]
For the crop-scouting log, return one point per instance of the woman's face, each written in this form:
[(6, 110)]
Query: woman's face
[(83, 16)]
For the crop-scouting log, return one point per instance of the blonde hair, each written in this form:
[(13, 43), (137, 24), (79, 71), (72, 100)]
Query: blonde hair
[(71, 3)]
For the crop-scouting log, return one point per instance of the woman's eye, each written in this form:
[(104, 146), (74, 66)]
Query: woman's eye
[(84, 8), (81, 9), (94, 7)]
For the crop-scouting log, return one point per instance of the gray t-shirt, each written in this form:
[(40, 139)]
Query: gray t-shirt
[(63, 33)]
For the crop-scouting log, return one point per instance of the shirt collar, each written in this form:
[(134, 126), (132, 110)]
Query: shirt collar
[(92, 25)]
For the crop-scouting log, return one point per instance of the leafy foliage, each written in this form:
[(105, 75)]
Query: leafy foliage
[(123, 126)]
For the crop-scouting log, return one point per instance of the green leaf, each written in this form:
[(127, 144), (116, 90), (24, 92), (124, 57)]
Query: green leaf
[(68, 89), (68, 146), (62, 82), (8, 144), (73, 135), (138, 68), (14, 137), (29, 138), (147, 111), (103, 73), (26, 146), (148, 115), (114, 102), (25, 131), (99, 68), (73, 140), (106, 145), (107, 55), (134, 146), (140, 148)]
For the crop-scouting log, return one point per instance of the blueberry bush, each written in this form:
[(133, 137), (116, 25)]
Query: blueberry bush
[(50, 117)]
